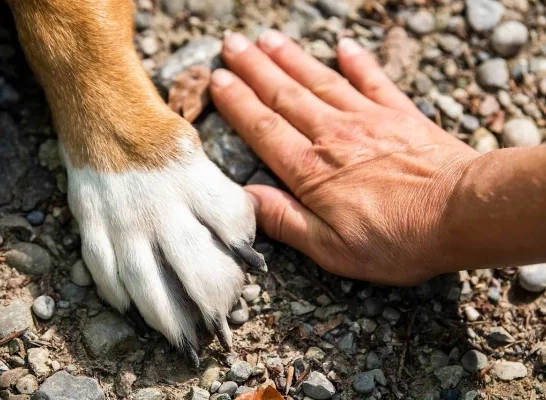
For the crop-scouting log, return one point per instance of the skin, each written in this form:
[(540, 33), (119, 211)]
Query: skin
[(378, 191)]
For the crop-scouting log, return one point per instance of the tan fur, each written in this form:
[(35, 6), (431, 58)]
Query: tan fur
[(106, 111)]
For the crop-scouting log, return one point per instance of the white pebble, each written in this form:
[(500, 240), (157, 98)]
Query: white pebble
[(80, 275), (44, 307), (521, 132), (471, 313)]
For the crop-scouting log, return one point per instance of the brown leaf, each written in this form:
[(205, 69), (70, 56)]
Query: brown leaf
[(264, 393), (189, 94), (324, 328), (400, 54)]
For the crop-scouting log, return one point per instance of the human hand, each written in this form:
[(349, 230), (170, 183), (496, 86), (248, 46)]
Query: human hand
[(370, 175)]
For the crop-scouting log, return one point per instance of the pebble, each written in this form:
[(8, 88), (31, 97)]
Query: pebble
[(150, 394), (537, 65), (37, 360), (542, 86), (509, 371), (108, 334), (533, 277), (239, 372), (390, 314), (72, 293), (79, 274), (423, 84), (521, 132), (14, 225), (373, 361), (218, 396), (62, 386), (471, 313), (364, 382), (221, 10), (449, 376), (27, 384), (438, 359), (215, 386), (450, 44), (422, 22), (48, 154), (35, 218), (29, 258), (8, 95), (210, 374), (427, 108), (450, 106), (228, 387), (346, 343), (333, 8), (368, 325), (315, 353), (493, 74), (44, 307), (484, 15), (10, 378), (242, 390), (509, 37), (251, 292), (483, 141), (15, 317), (493, 294), (498, 336), (318, 387), (3, 367), (239, 314), (488, 106), (470, 123), (474, 361), (301, 307), (16, 361), (372, 307), (305, 16)]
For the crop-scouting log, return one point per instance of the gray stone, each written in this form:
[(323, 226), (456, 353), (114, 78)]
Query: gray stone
[(221, 10), (450, 376), (79, 274), (373, 361), (8, 95), (483, 15), (483, 141), (472, 395), (239, 314), (210, 374), (470, 123), (3, 367), (226, 149), (28, 384), (364, 382), (301, 307), (509, 371), (498, 336), (35, 217), (521, 132), (107, 335), (427, 108), (449, 106), (450, 44), (333, 8), (471, 313), (318, 387), (346, 343), (63, 386), (228, 387), (37, 360), (205, 50), (305, 16), (422, 22), (509, 37), (43, 307), (324, 313), (315, 353), (372, 307), (72, 293), (390, 314), (10, 378), (174, 7), (494, 295), (242, 390), (16, 226), (239, 372), (384, 333), (493, 74), (473, 361), (214, 386), (251, 292), (438, 359), (15, 317), (219, 396), (533, 277), (368, 325), (29, 258), (197, 393)]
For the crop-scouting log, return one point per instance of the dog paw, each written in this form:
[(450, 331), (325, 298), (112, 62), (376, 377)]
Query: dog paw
[(170, 241)]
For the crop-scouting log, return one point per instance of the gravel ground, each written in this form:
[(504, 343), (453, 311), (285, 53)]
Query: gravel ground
[(477, 68)]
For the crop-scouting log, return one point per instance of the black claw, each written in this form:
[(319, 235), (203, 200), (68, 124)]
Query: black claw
[(192, 356), (224, 333), (250, 256)]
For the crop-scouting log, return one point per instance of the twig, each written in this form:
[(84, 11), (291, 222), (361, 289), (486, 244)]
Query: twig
[(406, 346), (302, 378), (12, 336), (289, 377)]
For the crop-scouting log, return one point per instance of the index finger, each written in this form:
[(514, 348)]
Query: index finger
[(277, 142)]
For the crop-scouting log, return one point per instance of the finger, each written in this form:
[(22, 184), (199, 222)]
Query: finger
[(276, 141), (367, 76), (276, 89), (324, 82), (284, 219)]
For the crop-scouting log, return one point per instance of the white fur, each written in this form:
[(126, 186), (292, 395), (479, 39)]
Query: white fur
[(126, 217)]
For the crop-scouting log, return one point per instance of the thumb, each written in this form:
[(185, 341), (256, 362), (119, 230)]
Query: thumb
[(284, 219)]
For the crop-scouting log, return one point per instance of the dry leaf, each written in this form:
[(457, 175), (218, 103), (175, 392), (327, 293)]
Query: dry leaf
[(189, 94), (264, 393), (400, 54), (324, 328)]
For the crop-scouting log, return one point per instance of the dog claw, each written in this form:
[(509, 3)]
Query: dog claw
[(224, 333), (255, 260), (192, 356)]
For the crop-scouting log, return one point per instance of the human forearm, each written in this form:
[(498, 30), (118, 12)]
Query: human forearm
[(497, 215)]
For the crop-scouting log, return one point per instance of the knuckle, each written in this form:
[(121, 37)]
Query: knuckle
[(266, 124), (327, 84), (286, 96)]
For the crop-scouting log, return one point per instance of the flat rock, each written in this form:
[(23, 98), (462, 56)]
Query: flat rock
[(364, 382), (509, 371), (10, 378), (318, 387), (15, 317), (107, 334), (533, 277), (28, 384), (37, 359), (29, 258), (149, 394), (498, 336), (484, 15), (63, 386), (473, 361), (449, 376), (301, 307)]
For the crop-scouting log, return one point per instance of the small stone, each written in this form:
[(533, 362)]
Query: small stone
[(305, 16), (368, 325), (72, 293), (489, 106), (239, 314), (423, 84), (48, 154), (35, 218), (427, 108), (471, 313), (333, 8), (533, 277), (29, 258), (62, 385), (449, 106), (493, 74), (210, 374), (318, 387), (228, 387), (15, 317), (384, 333), (470, 123), (315, 353), (542, 86), (494, 295), (221, 10), (450, 44), (438, 359), (537, 66), (346, 343), (251, 292), (509, 371), (125, 381), (243, 390), (79, 274), (16, 362), (301, 307), (509, 37), (521, 132), (324, 313), (484, 15), (422, 22), (390, 314), (107, 334), (483, 141), (197, 393), (323, 300), (37, 359), (373, 361), (153, 394), (239, 372), (449, 376), (498, 336), (43, 307), (27, 384), (10, 378), (472, 395), (372, 307), (219, 396), (214, 386), (473, 361), (364, 382)]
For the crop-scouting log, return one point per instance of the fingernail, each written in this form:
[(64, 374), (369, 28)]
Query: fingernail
[(271, 39), (222, 78), (255, 201), (236, 43), (349, 47)]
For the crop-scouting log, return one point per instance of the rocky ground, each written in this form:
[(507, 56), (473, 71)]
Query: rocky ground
[(477, 68)]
